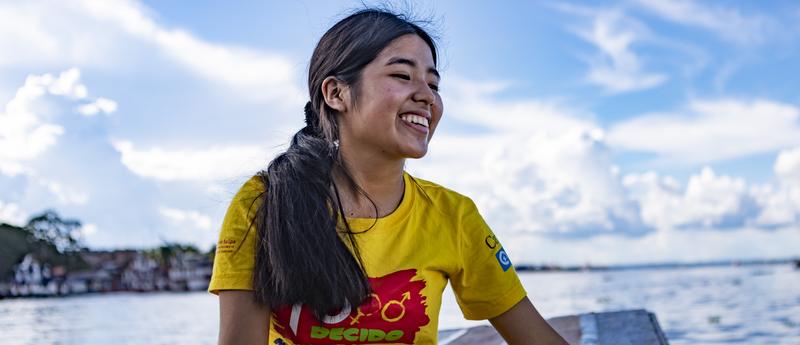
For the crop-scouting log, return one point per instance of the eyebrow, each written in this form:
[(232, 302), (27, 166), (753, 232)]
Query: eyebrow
[(412, 63)]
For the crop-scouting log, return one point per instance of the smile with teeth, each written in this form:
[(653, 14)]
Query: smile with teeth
[(411, 118)]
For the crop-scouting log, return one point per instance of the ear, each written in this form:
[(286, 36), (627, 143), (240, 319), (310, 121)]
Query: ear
[(336, 94)]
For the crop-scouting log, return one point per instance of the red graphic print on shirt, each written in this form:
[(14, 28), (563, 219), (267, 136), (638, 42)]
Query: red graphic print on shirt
[(394, 312)]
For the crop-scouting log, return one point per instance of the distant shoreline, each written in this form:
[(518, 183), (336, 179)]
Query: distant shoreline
[(651, 266), (523, 268)]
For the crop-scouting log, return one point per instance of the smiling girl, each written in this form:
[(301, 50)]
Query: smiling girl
[(334, 243)]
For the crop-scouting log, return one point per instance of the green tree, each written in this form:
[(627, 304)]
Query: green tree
[(64, 234), (164, 253), (50, 238), (211, 253)]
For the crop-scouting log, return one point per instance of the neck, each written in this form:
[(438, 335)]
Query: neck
[(380, 178)]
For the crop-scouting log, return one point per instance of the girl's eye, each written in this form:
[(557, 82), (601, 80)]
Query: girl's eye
[(433, 87), (401, 76)]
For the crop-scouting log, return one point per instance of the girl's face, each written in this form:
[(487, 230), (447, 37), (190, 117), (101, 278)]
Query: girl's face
[(398, 106)]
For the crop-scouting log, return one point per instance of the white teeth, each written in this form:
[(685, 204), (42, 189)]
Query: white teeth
[(415, 119)]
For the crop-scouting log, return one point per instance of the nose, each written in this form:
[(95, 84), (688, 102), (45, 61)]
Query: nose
[(424, 94)]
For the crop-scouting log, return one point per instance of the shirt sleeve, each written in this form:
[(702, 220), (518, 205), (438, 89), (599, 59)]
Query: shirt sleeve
[(234, 258), (486, 284)]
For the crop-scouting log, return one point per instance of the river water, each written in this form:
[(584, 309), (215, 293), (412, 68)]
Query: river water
[(712, 305)]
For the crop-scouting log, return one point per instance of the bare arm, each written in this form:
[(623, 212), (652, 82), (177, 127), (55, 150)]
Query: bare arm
[(241, 320), (522, 324)]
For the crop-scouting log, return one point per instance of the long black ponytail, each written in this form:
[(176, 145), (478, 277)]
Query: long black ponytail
[(300, 257)]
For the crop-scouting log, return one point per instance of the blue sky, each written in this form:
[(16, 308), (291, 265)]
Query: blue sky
[(603, 131)]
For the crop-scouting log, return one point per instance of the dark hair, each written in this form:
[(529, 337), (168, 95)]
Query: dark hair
[(300, 256)]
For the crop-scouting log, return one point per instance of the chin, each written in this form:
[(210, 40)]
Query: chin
[(416, 153)]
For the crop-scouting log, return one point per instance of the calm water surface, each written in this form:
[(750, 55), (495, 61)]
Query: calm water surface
[(719, 305)]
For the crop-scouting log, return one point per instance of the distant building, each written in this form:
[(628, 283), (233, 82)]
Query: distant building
[(32, 278), (189, 272), (108, 271)]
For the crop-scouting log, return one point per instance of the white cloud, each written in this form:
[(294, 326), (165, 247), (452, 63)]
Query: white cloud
[(779, 206), (617, 68), (781, 201), (787, 167), (186, 217), (213, 164), (89, 229), (729, 23), (23, 134), (711, 130), (683, 222), (561, 184), (696, 245), (26, 127), (270, 75), (12, 214), (101, 105), (474, 102), (65, 195), (12, 168), (718, 202), (188, 226), (708, 201), (26, 31), (100, 33)]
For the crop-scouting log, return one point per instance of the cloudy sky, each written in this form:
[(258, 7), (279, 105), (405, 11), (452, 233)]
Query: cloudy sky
[(603, 132)]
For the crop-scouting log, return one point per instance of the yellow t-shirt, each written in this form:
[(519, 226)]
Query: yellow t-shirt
[(434, 235)]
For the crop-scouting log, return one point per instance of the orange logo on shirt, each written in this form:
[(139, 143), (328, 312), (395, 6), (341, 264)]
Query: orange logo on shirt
[(226, 245), (394, 312)]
